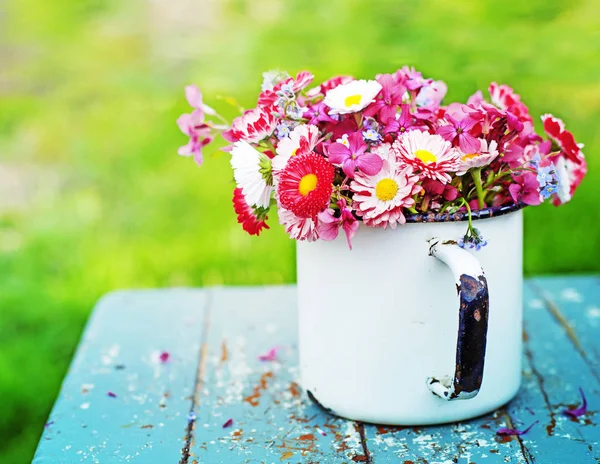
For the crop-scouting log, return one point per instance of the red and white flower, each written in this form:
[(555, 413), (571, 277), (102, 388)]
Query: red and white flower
[(305, 185), (252, 127), (483, 157), (252, 173), (555, 128), (429, 154), (570, 174), (298, 228), (381, 199), (251, 222)]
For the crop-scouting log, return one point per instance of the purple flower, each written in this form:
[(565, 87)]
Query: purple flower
[(353, 157), (507, 431), (526, 189), (402, 124), (318, 113), (457, 132), (581, 410)]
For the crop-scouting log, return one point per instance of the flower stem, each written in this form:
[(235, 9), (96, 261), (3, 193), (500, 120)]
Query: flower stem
[(478, 187)]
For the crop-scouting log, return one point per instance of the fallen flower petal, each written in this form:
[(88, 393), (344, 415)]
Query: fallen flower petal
[(581, 410), (507, 431), (164, 356), (270, 355), (229, 423), (321, 432), (111, 394), (48, 424)]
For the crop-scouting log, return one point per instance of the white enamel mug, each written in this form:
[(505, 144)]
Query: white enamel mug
[(407, 328)]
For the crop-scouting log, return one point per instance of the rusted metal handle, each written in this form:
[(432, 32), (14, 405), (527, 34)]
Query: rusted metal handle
[(472, 323)]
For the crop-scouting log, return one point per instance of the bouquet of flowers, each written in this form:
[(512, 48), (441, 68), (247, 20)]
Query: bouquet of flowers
[(378, 151)]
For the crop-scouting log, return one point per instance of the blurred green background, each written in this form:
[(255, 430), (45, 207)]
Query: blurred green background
[(93, 196)]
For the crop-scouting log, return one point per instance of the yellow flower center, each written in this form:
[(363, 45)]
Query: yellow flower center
[(426, 156), (470, 156), (307, 184), (294, 152), (386, 189), (352, 100)]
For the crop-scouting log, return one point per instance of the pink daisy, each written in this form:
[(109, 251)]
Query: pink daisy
[(429, 155), (305, 185), (298, 228), (380, 199)]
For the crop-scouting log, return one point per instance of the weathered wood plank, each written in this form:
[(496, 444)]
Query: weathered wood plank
[(575, 304), (273, 421), (120, 353), (554, 368)]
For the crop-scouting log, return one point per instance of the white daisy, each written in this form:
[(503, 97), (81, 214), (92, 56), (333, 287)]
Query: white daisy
[(289, 146), (483, 157), (252, 173), (351, 97)]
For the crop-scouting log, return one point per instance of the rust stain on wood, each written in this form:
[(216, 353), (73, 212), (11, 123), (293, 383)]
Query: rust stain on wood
[(224, 352), (147, 426), (286, 455), (294, 389), (254, 398), (360, 458), (306, 436)]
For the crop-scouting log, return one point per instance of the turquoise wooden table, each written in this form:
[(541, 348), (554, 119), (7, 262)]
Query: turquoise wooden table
[(185, 376)]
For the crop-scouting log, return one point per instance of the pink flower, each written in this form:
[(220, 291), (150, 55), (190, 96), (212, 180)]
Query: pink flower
[(329, 223), (197, 130), (457, 132), (504, 97), (246, 216), (389, 99), (194, 98), (431, 95), (252, 127), (353, 157), (402, 124), (410, 78), (525, 189)]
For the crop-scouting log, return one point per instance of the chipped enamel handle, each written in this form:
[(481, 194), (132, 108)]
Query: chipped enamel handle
[(473, 297)]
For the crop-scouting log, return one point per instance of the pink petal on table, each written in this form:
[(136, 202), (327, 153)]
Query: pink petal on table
[(164, 356), (111, 394), (581, 410), (507, 431), (229, 423), (270, 355)]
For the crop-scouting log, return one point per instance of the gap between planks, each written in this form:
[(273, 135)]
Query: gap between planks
[(199, 381), (560, 318)]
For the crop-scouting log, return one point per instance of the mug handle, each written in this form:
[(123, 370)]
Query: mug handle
[(474, 301)]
